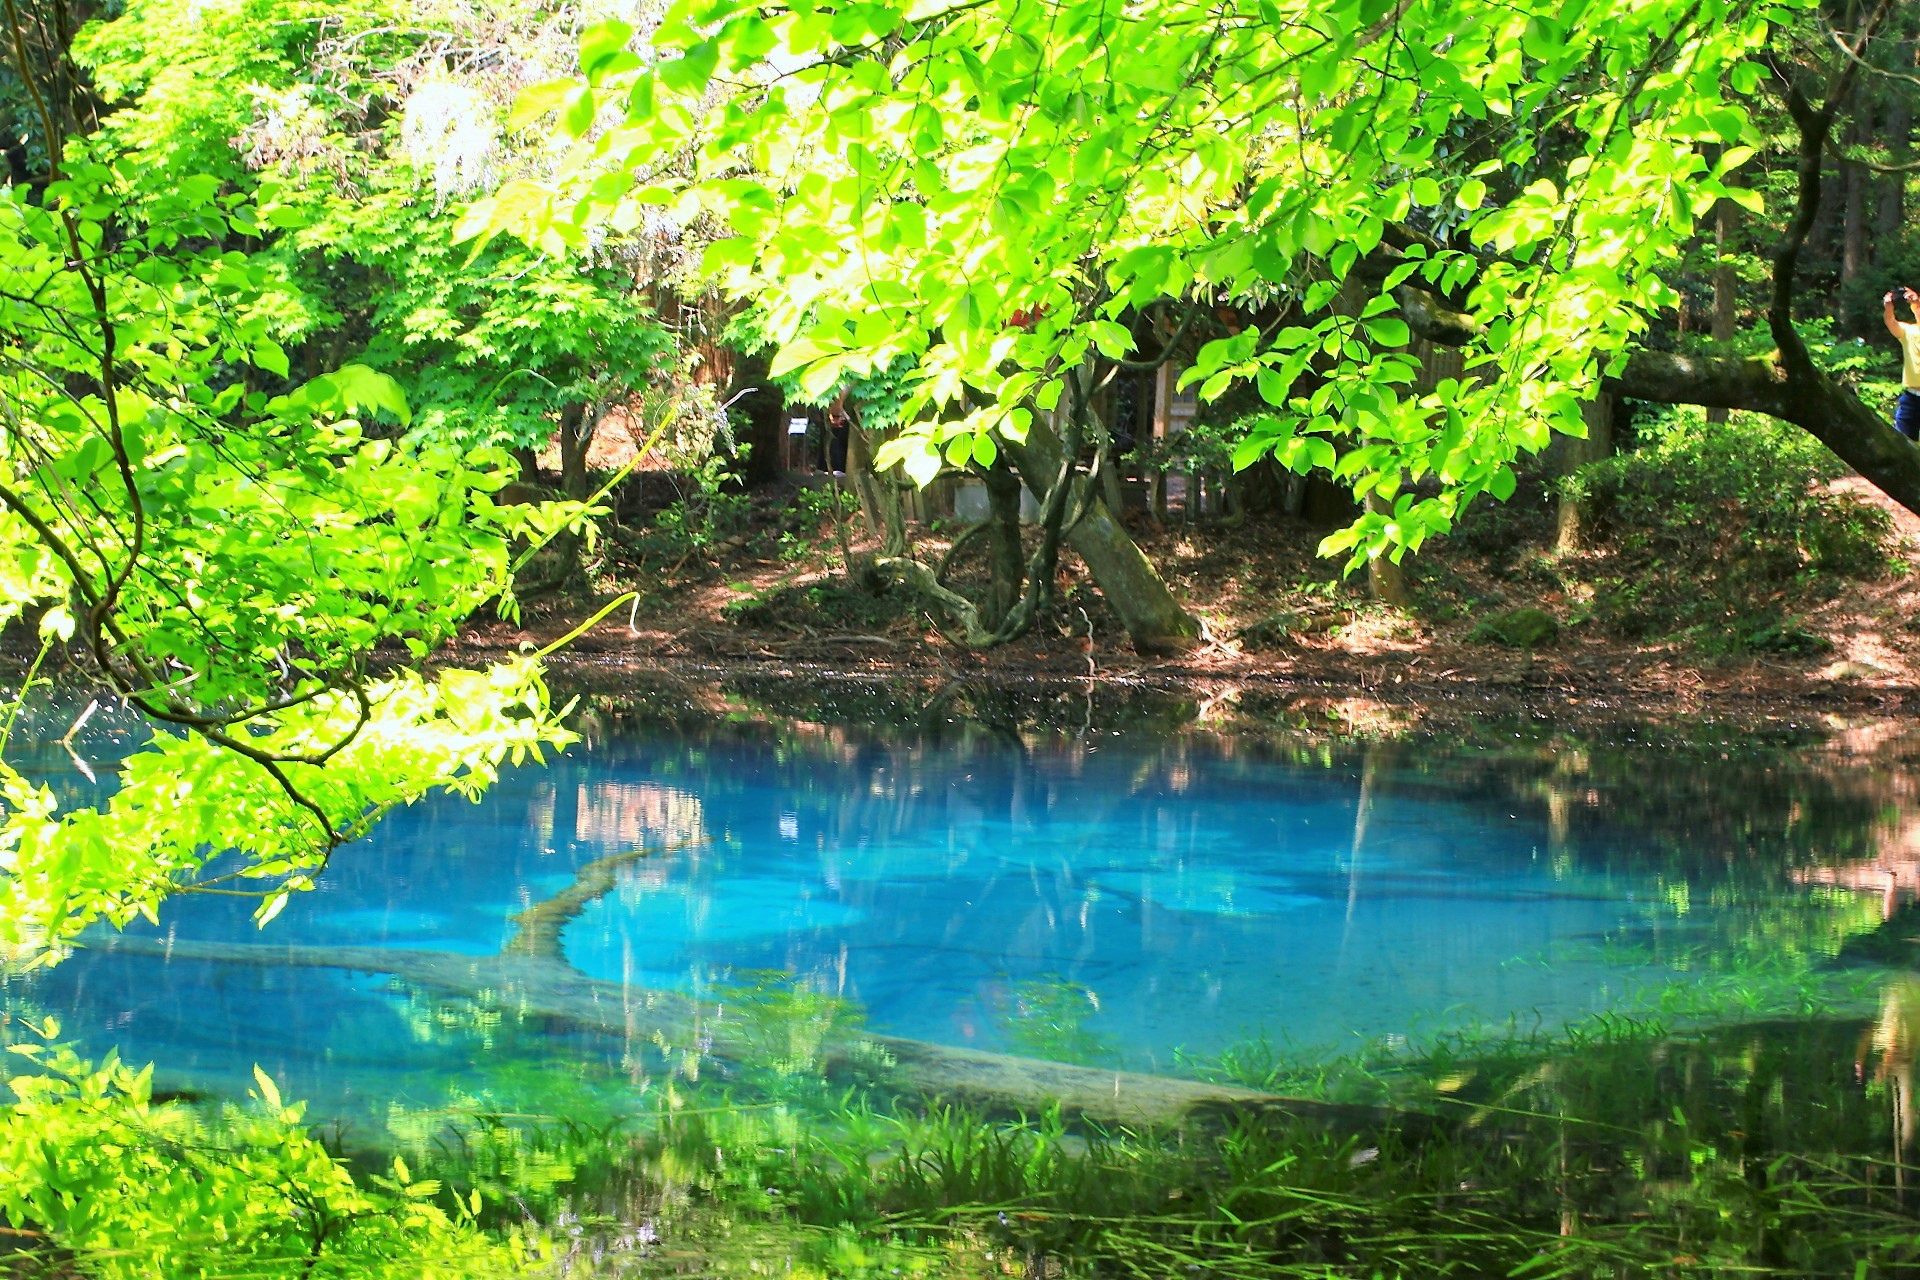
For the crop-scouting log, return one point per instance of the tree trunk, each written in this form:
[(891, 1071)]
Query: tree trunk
[(1726, 284), (1788, 387), (528, 460), (1263, 489), (1006, 559), (1892, 212), (574, 438), (994, 1083), (1386, 581), (879, 495), (1820, 235), (754, 398), (1785, 383), (1809, 399), (1570, 515), (1134, 589), (1853, 242)]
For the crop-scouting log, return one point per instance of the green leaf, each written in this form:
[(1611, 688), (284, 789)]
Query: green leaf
[(355, 387), (1389, 332), (1732, 158), (285, 217), (269, 355), (57, 623), (1112, 340), (1251, 450), (600, 45), (538, 100), (269, 1092), (1472, 194), (1273, 387), (272, 906), (577, 117), (691, 71)]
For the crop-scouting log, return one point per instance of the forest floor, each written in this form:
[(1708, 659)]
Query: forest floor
[(773, 598)]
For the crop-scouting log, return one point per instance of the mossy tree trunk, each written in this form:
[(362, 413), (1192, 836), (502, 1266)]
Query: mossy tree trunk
[(1154, 618)]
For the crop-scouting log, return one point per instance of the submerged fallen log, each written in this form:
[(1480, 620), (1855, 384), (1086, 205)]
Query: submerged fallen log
[(540, 987), (536, 930)]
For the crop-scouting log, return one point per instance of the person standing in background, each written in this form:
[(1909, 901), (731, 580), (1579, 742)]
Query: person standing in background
[(1906, 411), (840, 424)]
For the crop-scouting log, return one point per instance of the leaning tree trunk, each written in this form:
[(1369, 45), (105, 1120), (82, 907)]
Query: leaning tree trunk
[(1134, 589), (1785, 383)]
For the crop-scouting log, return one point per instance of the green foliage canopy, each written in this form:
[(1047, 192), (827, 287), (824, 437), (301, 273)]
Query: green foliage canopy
[(997, 189), (235, 548), (356, 140)]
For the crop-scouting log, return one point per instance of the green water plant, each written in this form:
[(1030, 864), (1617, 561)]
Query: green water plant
[(1049, 1017)]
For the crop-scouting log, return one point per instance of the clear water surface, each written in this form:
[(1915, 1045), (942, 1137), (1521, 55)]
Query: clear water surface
[(1129, 898)]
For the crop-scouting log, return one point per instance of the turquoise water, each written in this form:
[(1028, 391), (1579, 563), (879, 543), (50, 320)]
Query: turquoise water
[(1122, 899)]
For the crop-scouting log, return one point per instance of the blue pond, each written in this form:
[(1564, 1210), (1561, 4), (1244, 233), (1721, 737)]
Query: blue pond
[(1131, 898)]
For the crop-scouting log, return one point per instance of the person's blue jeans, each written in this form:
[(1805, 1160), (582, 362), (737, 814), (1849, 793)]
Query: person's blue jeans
[(1906, 415)]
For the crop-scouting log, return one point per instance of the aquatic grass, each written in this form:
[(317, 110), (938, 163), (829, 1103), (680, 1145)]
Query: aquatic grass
[(1617, 1145), (1614, 1147), (1632, 1155)]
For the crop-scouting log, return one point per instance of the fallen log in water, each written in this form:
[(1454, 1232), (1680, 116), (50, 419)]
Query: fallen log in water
[(536, 986)]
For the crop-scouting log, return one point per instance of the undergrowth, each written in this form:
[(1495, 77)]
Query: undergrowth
[(1714, 533)]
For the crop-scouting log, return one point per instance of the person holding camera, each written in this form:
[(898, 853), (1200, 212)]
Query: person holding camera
[(1906, 412)]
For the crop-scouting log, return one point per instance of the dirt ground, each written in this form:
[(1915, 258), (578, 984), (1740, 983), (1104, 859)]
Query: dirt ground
[(753, 606)]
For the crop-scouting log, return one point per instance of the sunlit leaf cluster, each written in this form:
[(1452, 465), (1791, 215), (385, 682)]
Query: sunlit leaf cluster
[(240, 562), (1004, 191), (141, 1187)]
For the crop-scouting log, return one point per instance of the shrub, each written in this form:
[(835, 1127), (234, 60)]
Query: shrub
[(1710, 530)]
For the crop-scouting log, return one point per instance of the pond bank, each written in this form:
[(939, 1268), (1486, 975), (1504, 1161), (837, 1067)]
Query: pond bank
[(1572, 688)]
